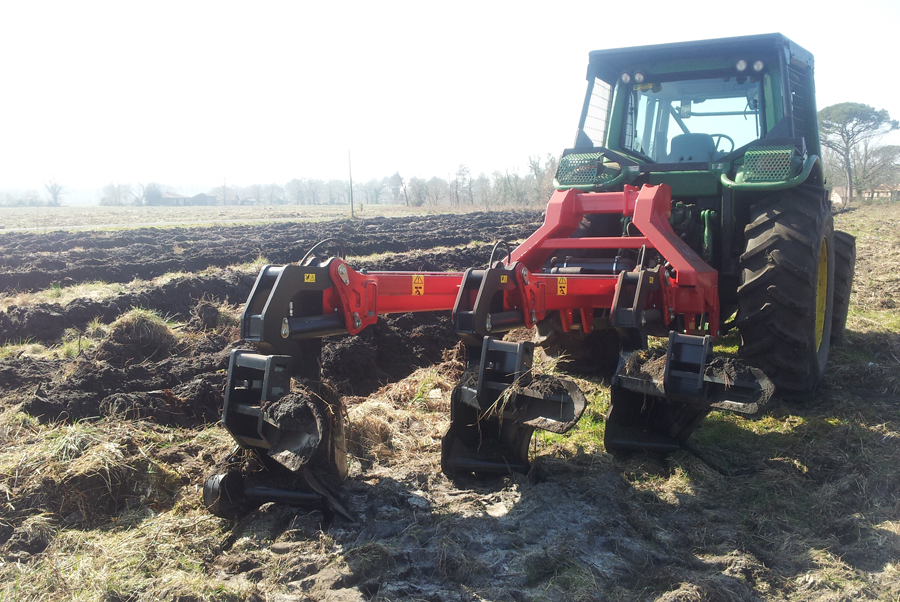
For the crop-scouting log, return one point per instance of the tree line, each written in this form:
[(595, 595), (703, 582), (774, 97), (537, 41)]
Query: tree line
[(856, 162), (459, 189)]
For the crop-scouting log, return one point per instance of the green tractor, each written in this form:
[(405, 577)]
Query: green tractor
[(730, 126)]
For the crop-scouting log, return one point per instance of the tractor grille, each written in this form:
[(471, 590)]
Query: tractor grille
[(768, 164), (584, 169), (800, 101)]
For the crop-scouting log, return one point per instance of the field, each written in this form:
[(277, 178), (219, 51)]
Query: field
[(114, 346)]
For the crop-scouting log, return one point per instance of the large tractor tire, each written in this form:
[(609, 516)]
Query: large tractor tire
[(786, 295), (844, 268)]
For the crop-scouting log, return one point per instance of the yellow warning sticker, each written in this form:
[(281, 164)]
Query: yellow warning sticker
[(562, 286), (309, 277), (418, 285), (503, 278)]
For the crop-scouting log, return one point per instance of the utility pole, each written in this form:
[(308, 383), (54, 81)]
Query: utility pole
[(350, 169)]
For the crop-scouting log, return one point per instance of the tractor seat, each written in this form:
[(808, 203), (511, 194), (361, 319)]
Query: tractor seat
[(692, 148)]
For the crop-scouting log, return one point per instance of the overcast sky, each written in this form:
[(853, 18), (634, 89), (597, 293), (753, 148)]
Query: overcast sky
[(191, 93)]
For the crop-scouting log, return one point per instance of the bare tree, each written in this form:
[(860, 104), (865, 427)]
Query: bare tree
[(256, 192), (313, 188), (436, 189), (483, 193), (115, 195), (56, 190), (225, 191), (463, 188), (874, 166), (543, 174), (137, 195), (337, 192), (294, 190), (373, 191), (275, 195)]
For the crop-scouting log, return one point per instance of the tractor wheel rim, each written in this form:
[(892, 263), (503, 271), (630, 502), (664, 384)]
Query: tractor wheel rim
[(821, 294)]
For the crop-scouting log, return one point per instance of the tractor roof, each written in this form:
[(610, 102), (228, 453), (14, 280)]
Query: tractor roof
[(609, 64)]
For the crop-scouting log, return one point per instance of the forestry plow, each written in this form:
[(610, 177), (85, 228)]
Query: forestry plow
[(645, 283), (694, 192)]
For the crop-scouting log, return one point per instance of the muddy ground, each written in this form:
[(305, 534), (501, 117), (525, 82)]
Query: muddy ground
[(31, 261), (106, 447)]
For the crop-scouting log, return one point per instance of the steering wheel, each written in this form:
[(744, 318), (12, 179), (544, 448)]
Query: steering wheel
[(717, 138)]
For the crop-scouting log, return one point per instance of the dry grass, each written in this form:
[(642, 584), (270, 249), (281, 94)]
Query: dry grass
[(96, 217), (107, 510)]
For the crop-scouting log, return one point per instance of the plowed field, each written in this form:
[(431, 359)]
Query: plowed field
[(115, 345)]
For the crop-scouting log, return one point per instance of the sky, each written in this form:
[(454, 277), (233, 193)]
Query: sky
[(191, 94)]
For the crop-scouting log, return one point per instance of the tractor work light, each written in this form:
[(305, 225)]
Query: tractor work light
[(638, 77), (758, 66), (741, 65), (626, 78)]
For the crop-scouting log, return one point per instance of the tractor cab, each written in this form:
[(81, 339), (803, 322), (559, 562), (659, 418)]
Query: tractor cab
[(692, 121), (688, 114)]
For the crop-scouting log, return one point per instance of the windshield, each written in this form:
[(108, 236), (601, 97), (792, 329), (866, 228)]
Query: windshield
[(696, 120)]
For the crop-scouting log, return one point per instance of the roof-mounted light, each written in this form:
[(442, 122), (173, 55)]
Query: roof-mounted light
[(741, 65), (626, 78), (638, 77), (758, 66)]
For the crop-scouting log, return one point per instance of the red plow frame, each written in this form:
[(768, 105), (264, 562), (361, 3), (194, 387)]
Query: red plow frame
[(648, 282), (352, 300)]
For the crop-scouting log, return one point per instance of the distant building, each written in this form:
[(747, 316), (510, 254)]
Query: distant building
[(882, 193), (173, 199), (204, 199)]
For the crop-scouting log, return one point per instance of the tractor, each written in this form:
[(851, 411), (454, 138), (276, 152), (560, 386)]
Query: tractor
[(691, 203)]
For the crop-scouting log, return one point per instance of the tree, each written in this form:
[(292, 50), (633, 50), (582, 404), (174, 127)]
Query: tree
[(373, 191), (482, 193), (435, 191), (56, 190), (398, 187), (275, 196), (153, 194), (462, 185), (312, 189), (138, 195), (337, 192), (114, 195), (146, 194), (853, 129), (225, 191), (255, 192), (875, 166), (417, 192), (294, 189), (543, 177)]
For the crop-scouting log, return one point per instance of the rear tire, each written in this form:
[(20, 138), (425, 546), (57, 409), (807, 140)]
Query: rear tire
[(844, 269), (786, 295)]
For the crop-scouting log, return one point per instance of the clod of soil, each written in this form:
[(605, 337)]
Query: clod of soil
[(305, 417), (135, 337)]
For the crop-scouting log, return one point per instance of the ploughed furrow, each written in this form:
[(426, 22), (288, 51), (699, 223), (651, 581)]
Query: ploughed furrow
[(30, 261), (45, 322)]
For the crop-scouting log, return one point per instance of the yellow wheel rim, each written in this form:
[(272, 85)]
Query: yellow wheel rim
[(821, 294)]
